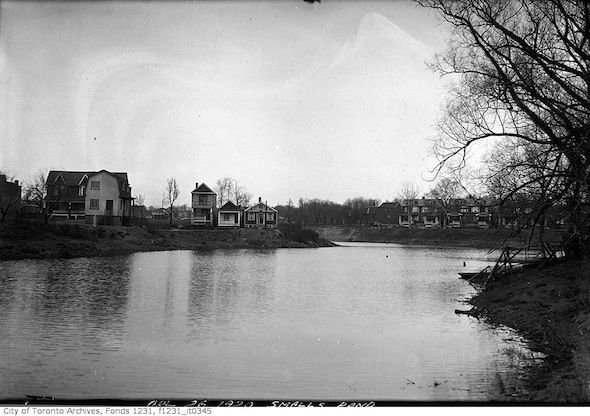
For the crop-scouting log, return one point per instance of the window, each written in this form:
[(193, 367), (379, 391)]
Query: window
[(270, 216), (202, 199), (95, 185), (251, 216), (94, 204), (227, 217)]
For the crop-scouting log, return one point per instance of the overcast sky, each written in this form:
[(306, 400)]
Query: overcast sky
[(327, 100)]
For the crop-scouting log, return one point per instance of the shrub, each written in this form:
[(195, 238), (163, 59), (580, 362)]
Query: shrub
[(297, 233)]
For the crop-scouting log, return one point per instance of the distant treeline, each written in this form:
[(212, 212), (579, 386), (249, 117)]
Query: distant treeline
[(354, 211)]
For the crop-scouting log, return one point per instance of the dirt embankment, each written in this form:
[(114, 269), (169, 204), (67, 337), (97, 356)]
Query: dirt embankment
[(462, 237), (550, 307), (34, 241)]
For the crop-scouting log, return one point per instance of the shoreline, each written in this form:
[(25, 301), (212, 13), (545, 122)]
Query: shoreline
[(36, 242), (460, 237), (550, 309)]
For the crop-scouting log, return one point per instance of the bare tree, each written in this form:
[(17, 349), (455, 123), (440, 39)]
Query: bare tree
[(36, 192), (241, 196), (525, 82), (444, 192), (170, 196), (140, 199), (224, 187), (229, 189), (409, 193)]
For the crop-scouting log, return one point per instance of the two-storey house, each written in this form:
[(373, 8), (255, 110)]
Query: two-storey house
[(66, 193), (108, 199), (203, 205)]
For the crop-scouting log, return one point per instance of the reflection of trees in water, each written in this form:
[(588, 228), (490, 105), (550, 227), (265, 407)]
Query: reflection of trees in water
[(229, 285), (86, 295), (512, 368)]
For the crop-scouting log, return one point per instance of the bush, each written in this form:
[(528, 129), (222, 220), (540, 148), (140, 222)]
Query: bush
[(297, 233)]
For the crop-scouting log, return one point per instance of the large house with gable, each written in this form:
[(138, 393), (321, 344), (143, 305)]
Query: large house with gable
[(67, 195), (108, 199)]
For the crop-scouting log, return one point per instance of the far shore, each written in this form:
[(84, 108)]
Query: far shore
[(37, 241), (492, 238), (70, 240)]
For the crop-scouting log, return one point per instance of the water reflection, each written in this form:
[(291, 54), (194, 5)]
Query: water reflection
[(60, 318), (360, 322)]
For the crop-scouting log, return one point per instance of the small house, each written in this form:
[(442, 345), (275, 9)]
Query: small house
[(229, 215), (261, 216)]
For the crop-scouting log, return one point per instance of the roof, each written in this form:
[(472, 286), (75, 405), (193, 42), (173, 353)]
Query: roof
[(229, 206), (261, 205), (74, 178), (121, 177), (204, 189), (389, 204), (70, 178)]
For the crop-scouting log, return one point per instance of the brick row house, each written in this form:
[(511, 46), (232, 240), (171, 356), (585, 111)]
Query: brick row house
[(101, 197), (10, 198), (433, 213)]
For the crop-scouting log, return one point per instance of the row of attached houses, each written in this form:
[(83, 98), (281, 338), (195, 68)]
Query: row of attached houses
[(431, 213), (204, 211), (457, 213), (101, 197)]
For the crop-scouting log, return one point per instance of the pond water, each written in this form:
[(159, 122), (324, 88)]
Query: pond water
[(358, 322)]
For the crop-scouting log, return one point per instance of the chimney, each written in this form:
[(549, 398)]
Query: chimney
[(259, 199), (196, 185), (16, 183)]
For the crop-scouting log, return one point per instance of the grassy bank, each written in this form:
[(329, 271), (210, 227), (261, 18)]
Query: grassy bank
[(461, 237), (550, 307), (36, 241)]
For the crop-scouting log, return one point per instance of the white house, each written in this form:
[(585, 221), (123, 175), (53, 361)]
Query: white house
[(108, 198), (229, 215)]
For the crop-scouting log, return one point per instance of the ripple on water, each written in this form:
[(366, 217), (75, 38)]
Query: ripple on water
[(336, 323)]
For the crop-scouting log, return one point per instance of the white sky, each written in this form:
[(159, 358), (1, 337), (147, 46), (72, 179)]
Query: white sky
[(330, 100)]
